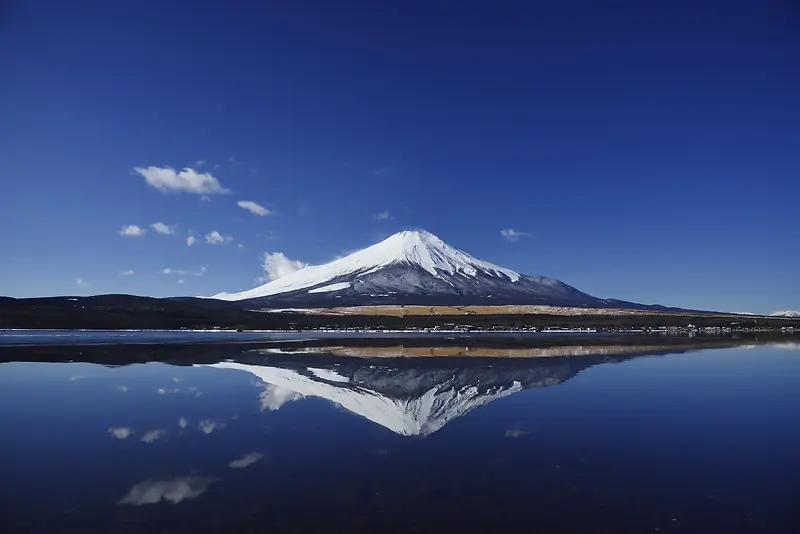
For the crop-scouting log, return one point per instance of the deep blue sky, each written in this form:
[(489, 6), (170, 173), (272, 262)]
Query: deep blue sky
[(651, 150)]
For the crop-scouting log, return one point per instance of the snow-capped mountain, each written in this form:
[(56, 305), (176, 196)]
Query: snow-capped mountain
[(786, 313), (412, 267), (407, 400)]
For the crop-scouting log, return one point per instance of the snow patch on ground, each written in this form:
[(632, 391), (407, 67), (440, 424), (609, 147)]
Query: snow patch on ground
[(332, 287)]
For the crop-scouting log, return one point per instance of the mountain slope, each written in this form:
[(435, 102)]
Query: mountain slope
[(412, 267)]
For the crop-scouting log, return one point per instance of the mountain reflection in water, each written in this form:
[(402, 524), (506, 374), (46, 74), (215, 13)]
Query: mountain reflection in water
[(406, 400)]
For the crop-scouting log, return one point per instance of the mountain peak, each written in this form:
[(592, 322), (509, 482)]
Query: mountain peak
[(418, 234), (408, 240), (412, 246), (415, 249)]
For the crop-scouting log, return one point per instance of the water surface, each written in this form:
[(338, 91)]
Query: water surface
[(261, 440)]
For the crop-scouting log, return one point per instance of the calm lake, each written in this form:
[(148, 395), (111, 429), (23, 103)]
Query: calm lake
[(573, 438)]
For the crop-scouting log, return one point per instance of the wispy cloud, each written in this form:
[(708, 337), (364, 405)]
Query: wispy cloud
[(180, 281), (129, 272), (200, 163), (240, 246), (153, 435), (183, 422), (215, 238), (181, 272), (191, 240), (245, 461), (80, 282), (167, 180), (163, 228), (277, 265), (121, 387), (509, 234), (120, 432), (253, 207), (383, 216), (174, 490), (132, 230)]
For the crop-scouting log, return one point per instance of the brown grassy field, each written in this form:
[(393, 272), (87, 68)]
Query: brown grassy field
[(403, 311)]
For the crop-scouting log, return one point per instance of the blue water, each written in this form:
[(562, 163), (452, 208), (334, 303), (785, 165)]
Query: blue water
[(150, 337), (702, 441)]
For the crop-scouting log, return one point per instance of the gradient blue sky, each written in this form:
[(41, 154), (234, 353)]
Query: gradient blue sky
[(650, 149)]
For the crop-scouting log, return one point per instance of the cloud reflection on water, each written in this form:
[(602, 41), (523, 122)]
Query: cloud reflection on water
[(245, 461), (120, 432), (174, 490)]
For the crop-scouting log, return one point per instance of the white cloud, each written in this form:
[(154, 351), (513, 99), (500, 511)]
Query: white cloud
[(129, 272), (81, 282), (183, 422), (273, 397), (191, 240), (120, 432), (132, 230), (180, 281), (509, 234), (383, 216), (153, 435), (199, 163), (277, 265), (181, 272), (215, 238), (246, 460), (207, 426), (167, 179), (174, 491), (163, 228), (121, 387), (253, 207), (240, 246)]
